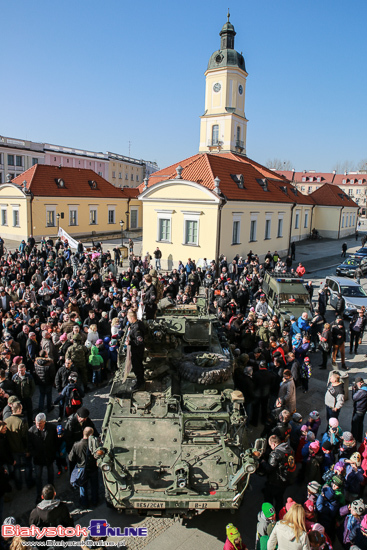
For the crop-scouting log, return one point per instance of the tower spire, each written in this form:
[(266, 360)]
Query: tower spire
[(228, 16)]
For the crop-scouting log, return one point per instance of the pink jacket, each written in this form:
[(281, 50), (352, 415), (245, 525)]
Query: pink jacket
[(229, 546)]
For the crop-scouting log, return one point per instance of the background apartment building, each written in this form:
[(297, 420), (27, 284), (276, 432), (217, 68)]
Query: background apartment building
[(354, 184), (18, 155)]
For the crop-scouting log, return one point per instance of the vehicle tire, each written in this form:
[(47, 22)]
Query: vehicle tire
[(217, 370)]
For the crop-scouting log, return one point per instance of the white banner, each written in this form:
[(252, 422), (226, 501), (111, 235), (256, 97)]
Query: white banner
[(66, 237)]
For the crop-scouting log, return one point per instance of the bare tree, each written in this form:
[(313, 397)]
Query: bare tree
[(279, 164), (362, 165), (345, 166)]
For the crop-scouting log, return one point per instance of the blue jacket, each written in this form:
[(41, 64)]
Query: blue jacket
[(303, 325), (353, 480), (295, 329), (327, 505)]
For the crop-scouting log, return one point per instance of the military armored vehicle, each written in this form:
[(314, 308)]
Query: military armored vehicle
[(286, 296), (178, 447)]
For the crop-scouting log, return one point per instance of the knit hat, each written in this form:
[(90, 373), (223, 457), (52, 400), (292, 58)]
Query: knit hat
[(268, 510), (310, 436), (17, 360), (289, 503), (315, 415), (326, 446), (297, 417), (356, 459), (306, 360), (304, 428), (99, 342), (315, 446), (63, 337), (313, 487), (348, 439), (333, 422), (358, 506), (336, 480), (309, 506), (339, 466), (83, 412), (232, 533)]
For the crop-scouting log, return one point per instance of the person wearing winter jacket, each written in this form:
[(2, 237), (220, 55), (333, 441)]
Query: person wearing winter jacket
[(338, 337), (42, 440), (234, 540), (290, 533), (347, 531), (96, 361), (313, 462), (348, 445), (333, 434), (306, 371), (61, 454), (265, 522), (359, 395), (71, 396), (51, 512), (328, 457), (44, 371), (296, 425), (314, 421), (334, 396), (360, 541), (353, 476), (363, 452), (287, 391), (279, 469), (328, 504)]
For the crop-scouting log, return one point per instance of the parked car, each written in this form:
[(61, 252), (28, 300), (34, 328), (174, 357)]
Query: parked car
[(350, 264), (362, 251), (354, 295)]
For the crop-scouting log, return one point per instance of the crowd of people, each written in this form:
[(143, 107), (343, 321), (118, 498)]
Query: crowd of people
[(62, 316)]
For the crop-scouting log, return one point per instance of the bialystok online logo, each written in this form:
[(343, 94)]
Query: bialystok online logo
[(97, 528)]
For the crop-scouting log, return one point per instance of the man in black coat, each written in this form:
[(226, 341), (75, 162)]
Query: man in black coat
[(81, 456), (136, 340), (50, 512), (279, 469), (75, 425), (42, 439), (149, 298), (359, 407), (45, 374), (340, 305), (356, 329)]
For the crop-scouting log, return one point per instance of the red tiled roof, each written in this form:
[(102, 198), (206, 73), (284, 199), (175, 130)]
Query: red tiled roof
[(41, 181), (203, 168), (325, 177), (332, 195)]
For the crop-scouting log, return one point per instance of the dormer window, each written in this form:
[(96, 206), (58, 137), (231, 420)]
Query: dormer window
[(93, 184), (344, 181), (303, 178), (60, 183), (319, 179), (310, 179), (352, 181), (360, 182)]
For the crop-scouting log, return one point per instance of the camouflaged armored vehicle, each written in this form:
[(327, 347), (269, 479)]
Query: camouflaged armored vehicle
[(179, 446), (286, 296)]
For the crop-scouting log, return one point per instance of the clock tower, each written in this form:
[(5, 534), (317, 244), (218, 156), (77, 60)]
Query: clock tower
[(223, 125)]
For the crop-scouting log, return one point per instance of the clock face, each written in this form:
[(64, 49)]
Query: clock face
[(240, 89), (217, 87)]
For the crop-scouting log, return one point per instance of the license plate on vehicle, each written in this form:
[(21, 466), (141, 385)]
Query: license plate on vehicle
[(150, 504), (203, 505)]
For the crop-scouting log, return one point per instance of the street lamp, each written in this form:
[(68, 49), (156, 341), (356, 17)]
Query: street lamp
[(58, 222), (122, 232)]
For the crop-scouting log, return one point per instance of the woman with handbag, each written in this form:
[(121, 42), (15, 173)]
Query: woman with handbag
[(325, 345)]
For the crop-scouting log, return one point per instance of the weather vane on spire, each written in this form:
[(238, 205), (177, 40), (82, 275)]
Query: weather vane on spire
[(228, 14)]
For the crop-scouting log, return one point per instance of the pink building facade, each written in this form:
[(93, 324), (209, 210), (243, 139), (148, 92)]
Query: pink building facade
[(56, 155)]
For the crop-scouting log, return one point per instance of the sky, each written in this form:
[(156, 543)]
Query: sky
[(128, 77)]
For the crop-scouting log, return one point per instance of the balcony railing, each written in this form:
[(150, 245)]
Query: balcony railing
[(239, 144)]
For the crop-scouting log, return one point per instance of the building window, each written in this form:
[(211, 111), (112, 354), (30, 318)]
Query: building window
[(318, 179), (253, 225), (344, 181), (132, 177), (215, 134), (120, 175), (50, 217), (10, 160), (4, 216), (111, 215), (296, 221), (280, 227), (343, 221), (126, 177), (113, 174), (133, 218), (73, 216), (360, 182), (352, 182), (100, 173), (303, 189), (137, 177), (309, 190), (238, 133), (164, 229), (93, 216), (306, 220), (34, 161), (15, 218), (18, 160), (191, 232), (236, 232), (304, 179), (267, 229)]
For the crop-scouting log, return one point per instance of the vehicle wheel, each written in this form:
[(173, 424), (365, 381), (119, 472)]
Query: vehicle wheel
[(205, 368)]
